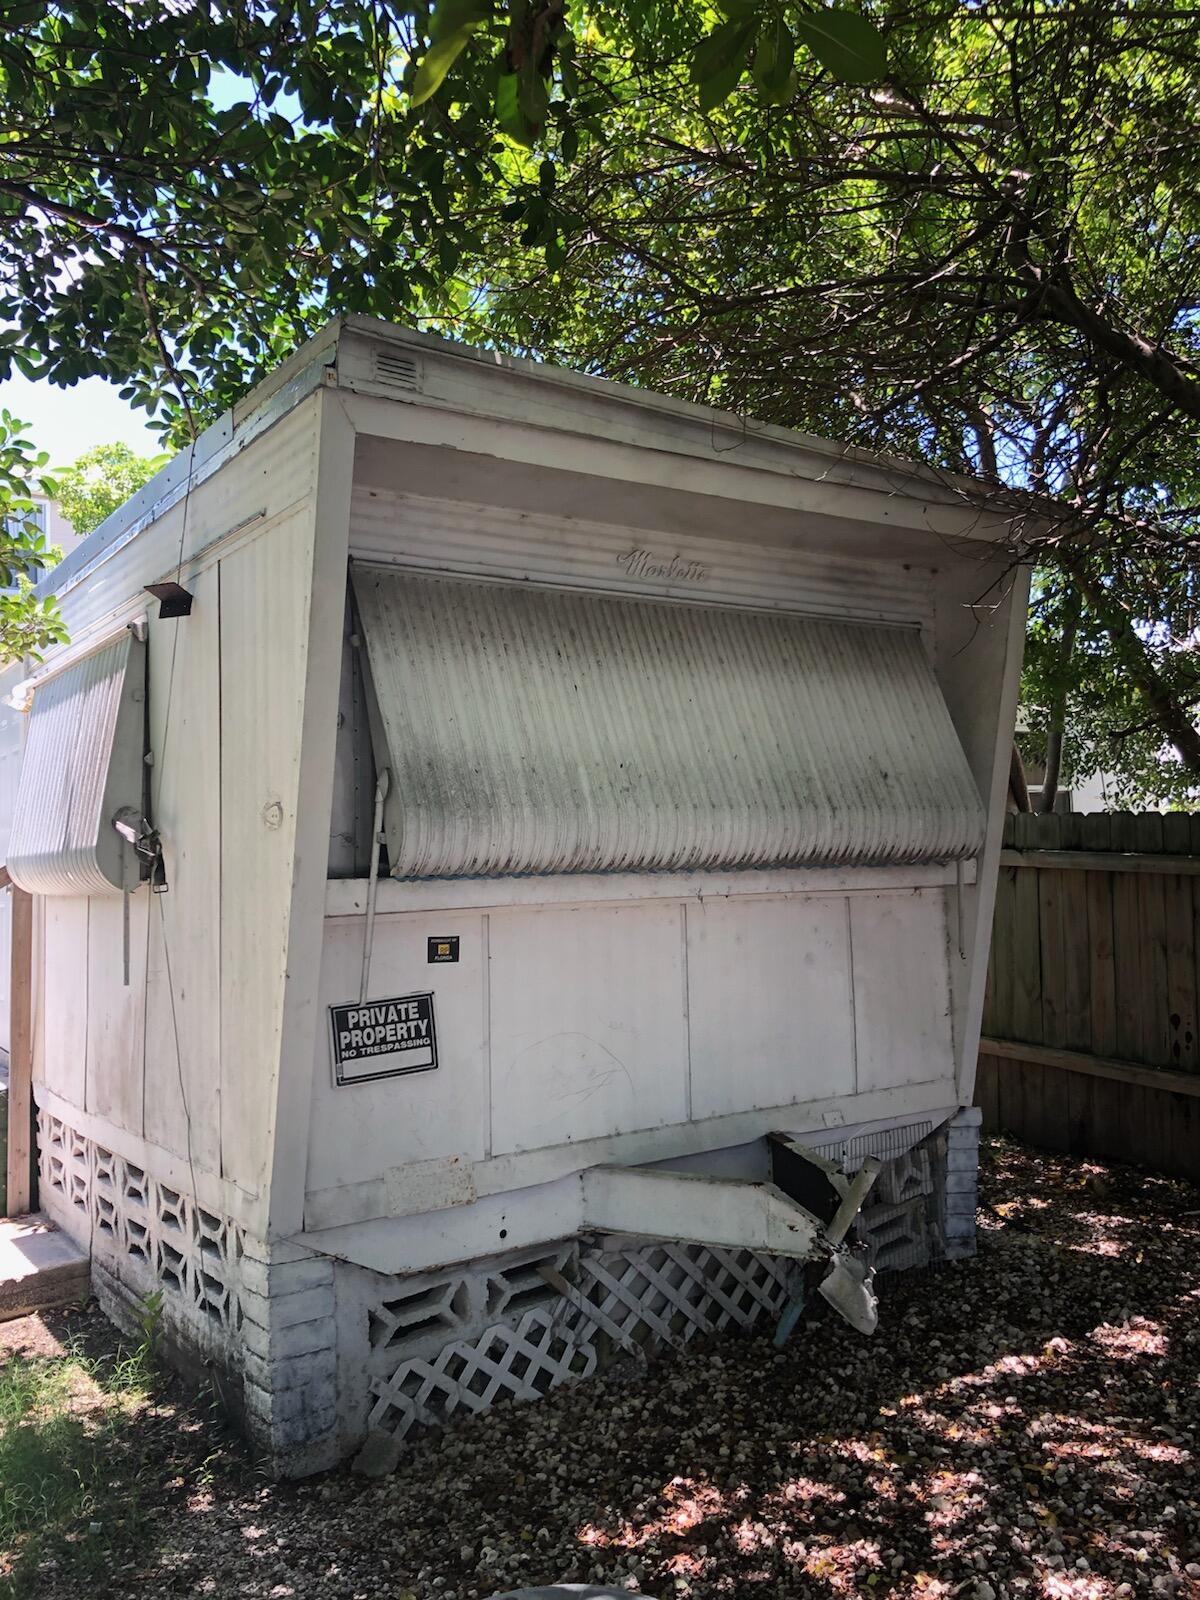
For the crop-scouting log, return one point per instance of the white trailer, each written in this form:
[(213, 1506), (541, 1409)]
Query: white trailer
[(679, 744)]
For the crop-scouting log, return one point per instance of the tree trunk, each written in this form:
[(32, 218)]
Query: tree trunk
[(1054, 749), (1058, 710), (1018, 789)]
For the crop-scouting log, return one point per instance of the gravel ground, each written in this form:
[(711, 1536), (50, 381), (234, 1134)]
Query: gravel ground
[(1024, 1424)]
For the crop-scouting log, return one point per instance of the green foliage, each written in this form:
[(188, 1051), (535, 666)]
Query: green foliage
[(100, 481), (149, 1315), (70, 1488), (27, 625), (187, 192), (1109, 726), (963, 232)]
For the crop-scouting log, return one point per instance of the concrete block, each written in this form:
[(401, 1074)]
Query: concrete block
[(379, 1456), (40, 1267), (301, 1339), (271, 1278), (299, 1413), (303, 1306), (276, 1253)]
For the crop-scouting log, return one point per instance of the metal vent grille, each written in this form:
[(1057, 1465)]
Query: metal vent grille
[(398, 371)]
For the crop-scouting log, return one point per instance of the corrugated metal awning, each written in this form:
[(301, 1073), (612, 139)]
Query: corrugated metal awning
[(83, 762), (531, 730)]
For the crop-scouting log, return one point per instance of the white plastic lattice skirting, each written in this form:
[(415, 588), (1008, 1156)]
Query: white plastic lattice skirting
[(621, 1300), (144, 1230)]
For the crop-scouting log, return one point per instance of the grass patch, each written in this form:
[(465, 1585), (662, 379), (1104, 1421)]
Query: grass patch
[(72, 1475)]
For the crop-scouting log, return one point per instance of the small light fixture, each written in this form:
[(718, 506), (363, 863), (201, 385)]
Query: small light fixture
[(173, 600)]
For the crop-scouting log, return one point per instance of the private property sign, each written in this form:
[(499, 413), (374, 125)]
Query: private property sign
[(383, 1038)]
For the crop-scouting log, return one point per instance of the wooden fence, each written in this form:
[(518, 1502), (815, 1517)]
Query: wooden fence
[(1091, 1029)]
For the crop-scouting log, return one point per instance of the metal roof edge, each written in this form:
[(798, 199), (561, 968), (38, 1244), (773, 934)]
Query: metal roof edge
[(266, 404), (901, 475), (284, 388)]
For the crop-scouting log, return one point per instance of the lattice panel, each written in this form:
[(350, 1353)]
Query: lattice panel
[(162, 1233), (521, 1363), (668, 1293), (632, 1300)]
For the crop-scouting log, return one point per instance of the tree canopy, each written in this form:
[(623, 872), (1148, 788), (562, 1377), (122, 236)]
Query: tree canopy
[(100, 481), (27, 625), (960, 230)]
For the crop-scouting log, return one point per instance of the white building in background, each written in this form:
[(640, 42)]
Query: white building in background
[(573, 807), (54, 526)]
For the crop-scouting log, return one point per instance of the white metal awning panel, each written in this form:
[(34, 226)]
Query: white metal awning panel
[(82, 763), (532, 730)]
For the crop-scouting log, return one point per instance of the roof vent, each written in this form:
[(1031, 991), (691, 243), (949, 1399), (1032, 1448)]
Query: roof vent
[(397, 371)]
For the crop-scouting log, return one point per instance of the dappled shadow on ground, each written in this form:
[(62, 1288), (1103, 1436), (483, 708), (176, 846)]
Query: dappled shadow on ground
[(1025, 1424), (91, 1439)]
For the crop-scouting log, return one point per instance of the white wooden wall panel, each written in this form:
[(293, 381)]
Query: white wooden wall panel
[(264, 589), (586, 1024), (62, 1025), (901, 989), (769, 1003), (362, 1129), (183, 1033), (116, 1015)]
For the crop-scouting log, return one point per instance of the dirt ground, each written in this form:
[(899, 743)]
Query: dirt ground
[(1024, 1424)]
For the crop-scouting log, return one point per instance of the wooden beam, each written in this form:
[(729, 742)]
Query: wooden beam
[(20, 1057), (1094, 1066), (1100, 861)]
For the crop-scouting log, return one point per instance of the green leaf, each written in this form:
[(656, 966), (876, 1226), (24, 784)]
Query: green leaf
[(723, 48), (721, 85), (534, 96), (846, 44), (508, 109), (452, 16), (774, 53), (438, 60)]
